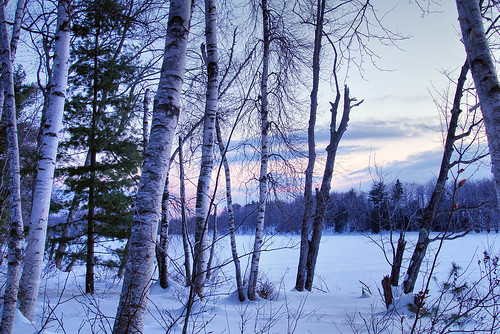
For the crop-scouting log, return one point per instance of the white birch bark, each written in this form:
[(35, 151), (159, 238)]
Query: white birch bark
[(230, 213), (185, 232), (485, 78), (16, 220), (207, 151), (212, 245), (30, 280), (264, 153), (16, 29), (162, 257), (131, 310), (14, 41), (145, 119)]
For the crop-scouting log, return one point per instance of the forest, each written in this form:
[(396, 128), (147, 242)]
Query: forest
[(138, 136)]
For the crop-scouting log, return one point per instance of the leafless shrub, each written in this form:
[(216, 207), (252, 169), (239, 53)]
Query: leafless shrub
[(267, 289), (467, 301)]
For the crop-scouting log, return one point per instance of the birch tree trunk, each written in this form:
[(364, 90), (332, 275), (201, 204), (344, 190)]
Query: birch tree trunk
[(438, 192), (308, 197), (185, 233), (212, 245), (207, 152), (323, 196), (30, 280), (230, 213), (14, 41), (131, 310), (16, 219), (16, 29), (163, 246), (264, 156), (485, 78), (145, 139), (145, 119)]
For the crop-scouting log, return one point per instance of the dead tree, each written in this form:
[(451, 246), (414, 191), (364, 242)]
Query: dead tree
[(323, 195), (430, 210), (308, 194)]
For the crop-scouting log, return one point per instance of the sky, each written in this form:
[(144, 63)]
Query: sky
[(397, 129), (396, 133)]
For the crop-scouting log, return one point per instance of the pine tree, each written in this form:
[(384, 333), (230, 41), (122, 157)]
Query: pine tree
[(379, 197), (99, 120)]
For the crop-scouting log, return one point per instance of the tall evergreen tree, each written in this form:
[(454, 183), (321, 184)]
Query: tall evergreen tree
[(99, 121)]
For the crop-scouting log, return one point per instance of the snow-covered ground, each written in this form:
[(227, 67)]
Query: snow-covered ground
[(347, 266)]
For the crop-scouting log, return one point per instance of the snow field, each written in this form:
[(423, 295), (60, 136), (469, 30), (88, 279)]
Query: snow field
[(347, 265)]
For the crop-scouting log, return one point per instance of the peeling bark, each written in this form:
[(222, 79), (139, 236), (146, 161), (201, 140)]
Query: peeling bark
[(30, 280), (230, 213), (264, 156), (207, 152), (485, 78), (131, 312), (16, 219)]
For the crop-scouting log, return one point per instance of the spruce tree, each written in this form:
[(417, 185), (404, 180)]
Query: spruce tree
[(100, 119)]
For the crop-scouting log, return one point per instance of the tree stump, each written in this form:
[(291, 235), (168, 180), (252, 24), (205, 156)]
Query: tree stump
[(387, 288)]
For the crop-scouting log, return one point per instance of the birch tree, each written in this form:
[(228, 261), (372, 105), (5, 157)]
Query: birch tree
[(162, 249), (485, 77), (16, 219), (264, 154), (207, 153), (131, 310), (30, 280), (230, 212), (184, 228), (14, 41), (145, 119)]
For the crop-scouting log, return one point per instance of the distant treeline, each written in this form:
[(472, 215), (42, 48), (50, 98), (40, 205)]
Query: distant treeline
[(386, 206)]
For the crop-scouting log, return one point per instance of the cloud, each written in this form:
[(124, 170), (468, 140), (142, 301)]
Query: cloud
[(373, 129), (418, 168), (403, 98)]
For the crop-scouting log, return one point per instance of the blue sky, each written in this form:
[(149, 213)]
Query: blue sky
[(397, 131), (398, 126)]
